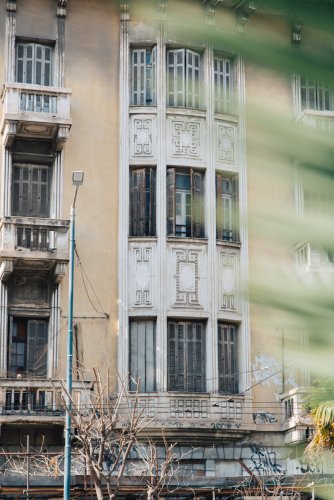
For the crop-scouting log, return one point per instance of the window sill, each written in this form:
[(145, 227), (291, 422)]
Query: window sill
[(233, 244), (138, 109), (171, 110), (226, 117), (173, 239), (143, 238)]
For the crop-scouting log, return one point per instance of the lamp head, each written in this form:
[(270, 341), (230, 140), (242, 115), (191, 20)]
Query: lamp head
[(77, 178)]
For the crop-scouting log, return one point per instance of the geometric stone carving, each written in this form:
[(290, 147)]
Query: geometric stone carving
[(186, 137), (231, 410), (142, 276), (188, 408), (187, 277), (227, 281), (141, 138), (225, 143)]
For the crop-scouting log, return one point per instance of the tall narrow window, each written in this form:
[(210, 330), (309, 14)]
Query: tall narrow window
[(30, 190), (142, 355), (227, 208), (34, 63), (186, 356), (315, 95), (228, 358), (142, 202), (185, 203), (183, 74), (223, 79), (27, 352), (143, 76)]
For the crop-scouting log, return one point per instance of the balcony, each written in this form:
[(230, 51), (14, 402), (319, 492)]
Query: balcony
[(33, 242), (297, 423), (25, 399), (187, 414), (320, 121), (35, 111)]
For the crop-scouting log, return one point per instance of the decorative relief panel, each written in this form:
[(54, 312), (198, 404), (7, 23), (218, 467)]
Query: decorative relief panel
[(231, 410), (186, 138), (226, 143), (228, 263), (188, 408), (142, 137), (141, 276), (187, 277)]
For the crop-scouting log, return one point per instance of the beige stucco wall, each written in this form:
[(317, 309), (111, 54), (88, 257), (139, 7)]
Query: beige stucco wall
[(91, 71)]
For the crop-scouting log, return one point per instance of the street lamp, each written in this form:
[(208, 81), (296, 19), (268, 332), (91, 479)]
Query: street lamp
[(77, 180)]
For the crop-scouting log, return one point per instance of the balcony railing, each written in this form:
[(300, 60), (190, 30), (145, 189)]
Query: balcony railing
[(38, 397), (321, 121), (35, 111), (205, 411), (23, 236), (311, 259)]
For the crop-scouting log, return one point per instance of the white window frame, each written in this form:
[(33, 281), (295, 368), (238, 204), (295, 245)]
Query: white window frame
[(184, 69), (39, 63), (143, 76), (223, 84)]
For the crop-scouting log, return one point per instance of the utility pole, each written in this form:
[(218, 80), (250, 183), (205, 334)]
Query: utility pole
[(77, 180)]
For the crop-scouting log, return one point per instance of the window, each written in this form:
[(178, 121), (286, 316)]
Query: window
[(27, 354), (183, 73), (142, 202), (142, 355), (315, 95), (228, 358), (33, 63), (227, 207), (30, 193), (185, 203), (143, 76), (223, 79), (186, 356)]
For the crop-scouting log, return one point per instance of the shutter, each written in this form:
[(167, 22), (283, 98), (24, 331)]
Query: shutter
[(35, 196), (138, 76), (37, 347), (39, 60), (150, 356), (28, 72), (176, 77), (10, 346), (228, 358), (137, 203), (219, 206), (172, 357), (170, 201), (133, 354), (152, 208), (192, 79), (154, 75), (235, 209), (47, 53), (197, 205), (223, 85), (44, 191), (20, 50), (16, 190)]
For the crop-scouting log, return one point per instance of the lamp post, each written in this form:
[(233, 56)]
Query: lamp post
[(77, 180)]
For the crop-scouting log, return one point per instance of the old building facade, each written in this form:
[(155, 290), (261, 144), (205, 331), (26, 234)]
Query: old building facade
[(161, 114)]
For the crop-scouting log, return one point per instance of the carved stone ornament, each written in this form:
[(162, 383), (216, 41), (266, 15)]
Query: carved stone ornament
[(142, 276), (142, 143), (227, 281), (225, 143), (186, 138), (187, 277)]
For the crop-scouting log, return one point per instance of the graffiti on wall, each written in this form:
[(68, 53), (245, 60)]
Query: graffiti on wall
[(264, 461)]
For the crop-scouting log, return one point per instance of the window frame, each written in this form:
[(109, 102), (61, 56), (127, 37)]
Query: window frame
[(195, 229), (29, 191), (186, 380), (228, 362), (33, 350), (35, 45), (228, 234), (307, 86), (142, 202), (143, 346), (224, 84), (183, 85), (144, 74)]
